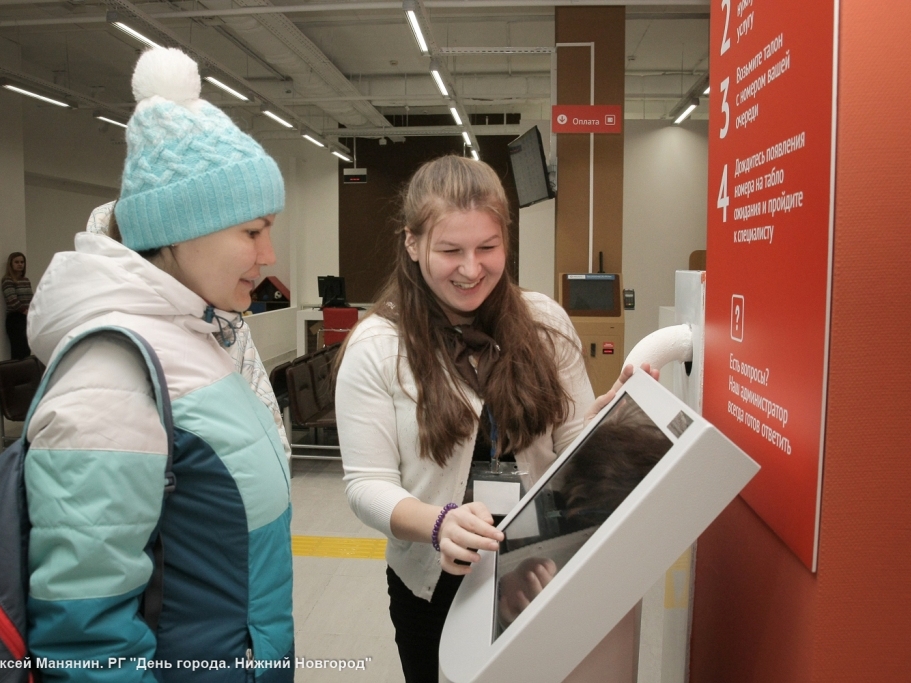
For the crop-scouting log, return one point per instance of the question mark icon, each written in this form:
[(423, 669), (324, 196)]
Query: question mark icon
[(737, 315)]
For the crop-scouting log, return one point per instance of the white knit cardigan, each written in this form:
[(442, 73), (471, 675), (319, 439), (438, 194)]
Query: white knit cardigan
[(378, 432)]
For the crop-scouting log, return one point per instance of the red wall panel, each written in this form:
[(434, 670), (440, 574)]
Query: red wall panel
[(759, 615)]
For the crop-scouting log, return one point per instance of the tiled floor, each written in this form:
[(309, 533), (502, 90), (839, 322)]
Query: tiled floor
[(341, 610)]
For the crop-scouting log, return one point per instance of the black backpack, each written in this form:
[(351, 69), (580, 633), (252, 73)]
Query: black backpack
[(15, 664)]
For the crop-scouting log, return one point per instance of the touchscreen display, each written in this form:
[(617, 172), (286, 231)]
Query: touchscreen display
[(565, 512), (591, 295)]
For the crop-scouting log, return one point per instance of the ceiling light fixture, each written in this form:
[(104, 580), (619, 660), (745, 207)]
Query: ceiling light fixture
[(466, 138), (105, 118), (455, 115), (341, 156), (687, 111), (439, 79), (474, 155), (277, 118), (29, 93), (230, 91), (313, 140), (416, 30), (690, 100), (114, 19)]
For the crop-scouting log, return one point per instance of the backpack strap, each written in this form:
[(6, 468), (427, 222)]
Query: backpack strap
[(153, 596)]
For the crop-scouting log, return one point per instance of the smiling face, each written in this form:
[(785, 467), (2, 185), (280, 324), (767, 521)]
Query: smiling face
[(222, 266), (462, 259)]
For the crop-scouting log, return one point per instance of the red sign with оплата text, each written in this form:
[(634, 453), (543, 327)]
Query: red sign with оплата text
[(768, 274), (586, 118)]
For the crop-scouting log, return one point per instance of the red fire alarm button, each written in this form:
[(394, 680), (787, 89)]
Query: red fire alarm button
[(607, 348)]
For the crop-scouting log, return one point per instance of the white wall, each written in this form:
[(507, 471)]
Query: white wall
[(665, 177), (12, 194), (72, 164), (537, 247), (316, 220), (53, 215)]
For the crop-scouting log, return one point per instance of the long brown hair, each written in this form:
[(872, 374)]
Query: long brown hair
[(9, 265), (524, 391)]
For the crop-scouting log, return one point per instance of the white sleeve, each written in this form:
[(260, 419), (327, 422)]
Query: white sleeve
[(366, 418), (571, 370)]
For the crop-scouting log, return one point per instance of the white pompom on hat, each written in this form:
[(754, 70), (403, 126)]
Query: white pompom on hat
[(189, 170), (168, 73)]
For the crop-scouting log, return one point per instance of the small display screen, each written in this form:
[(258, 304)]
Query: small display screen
[(592, 294), (570, 507)]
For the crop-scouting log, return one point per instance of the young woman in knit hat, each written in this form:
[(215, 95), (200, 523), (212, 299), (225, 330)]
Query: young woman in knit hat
[(454, 363), (198, 199)]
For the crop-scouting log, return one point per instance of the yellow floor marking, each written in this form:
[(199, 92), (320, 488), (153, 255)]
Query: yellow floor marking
[(333, 546)]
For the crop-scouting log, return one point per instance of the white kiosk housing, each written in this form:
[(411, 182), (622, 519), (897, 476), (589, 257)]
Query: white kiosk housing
[(629, 495)]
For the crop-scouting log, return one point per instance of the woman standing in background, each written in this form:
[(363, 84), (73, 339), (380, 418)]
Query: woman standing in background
[(17, 291)]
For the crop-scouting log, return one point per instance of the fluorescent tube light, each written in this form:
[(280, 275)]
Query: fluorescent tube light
[(230, 91), (466, 138), (440, 84), (416, 30), (474, 155), (29, 93), (135, 34), (341, 156), (105, 118), (707, 88), (313, 140), (277, 118), (686, 112), (455, 115)]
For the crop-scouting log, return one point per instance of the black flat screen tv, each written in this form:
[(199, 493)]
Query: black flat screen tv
[(529, 168)]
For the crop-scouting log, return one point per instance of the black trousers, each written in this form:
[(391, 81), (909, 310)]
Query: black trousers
[(18, 340), (419, 625)]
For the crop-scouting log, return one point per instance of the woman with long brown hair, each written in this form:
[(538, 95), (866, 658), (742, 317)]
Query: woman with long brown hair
[(17, 290), (454, 360)]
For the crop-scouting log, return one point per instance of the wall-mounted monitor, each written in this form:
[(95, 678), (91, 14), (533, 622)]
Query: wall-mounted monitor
[(615, 510), (591, 294), (529, 168)]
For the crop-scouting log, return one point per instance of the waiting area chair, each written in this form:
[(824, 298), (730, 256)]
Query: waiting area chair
[(309, 386), (19, 381)]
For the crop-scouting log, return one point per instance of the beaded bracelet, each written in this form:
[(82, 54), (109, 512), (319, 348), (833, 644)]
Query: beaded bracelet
[(435, 534)]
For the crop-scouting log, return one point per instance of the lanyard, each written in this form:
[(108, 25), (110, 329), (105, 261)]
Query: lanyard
[(494, 460)]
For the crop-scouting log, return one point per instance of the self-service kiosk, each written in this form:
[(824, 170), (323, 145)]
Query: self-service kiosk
[(587, 541), (594, 302)]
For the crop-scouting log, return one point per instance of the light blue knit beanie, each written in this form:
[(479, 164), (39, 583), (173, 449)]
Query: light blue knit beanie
[(189, 170)]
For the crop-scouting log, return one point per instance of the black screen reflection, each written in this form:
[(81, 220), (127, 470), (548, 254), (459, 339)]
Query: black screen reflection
[(612, 460)]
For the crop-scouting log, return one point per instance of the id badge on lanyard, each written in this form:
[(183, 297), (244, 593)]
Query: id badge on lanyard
[(498, 485)]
